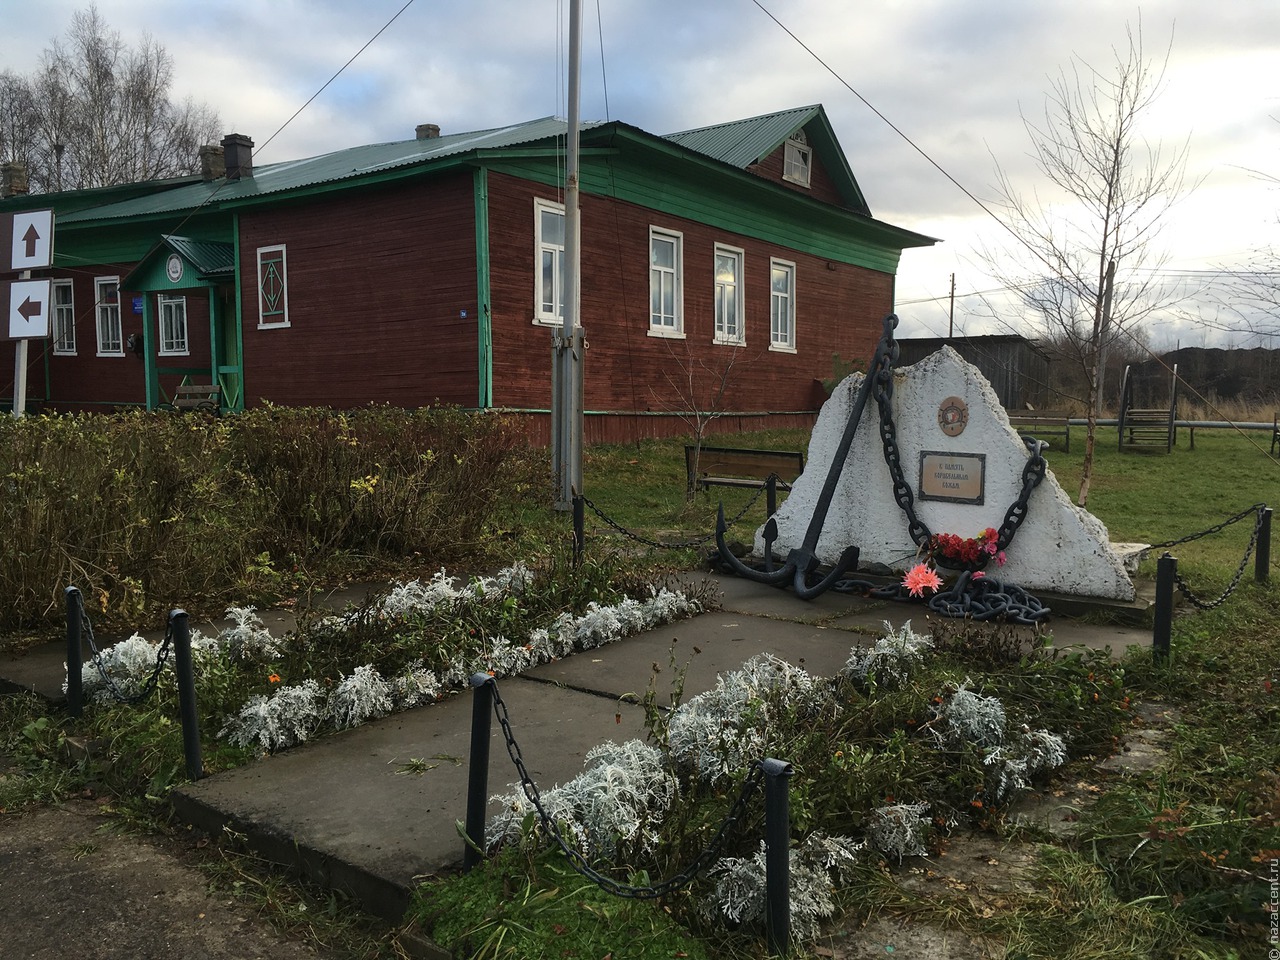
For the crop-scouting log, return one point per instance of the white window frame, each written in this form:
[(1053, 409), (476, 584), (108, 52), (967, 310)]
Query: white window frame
[(64, 320), (107, 315), (555, 316), (172, 346), (730, 329), (782, 308), (659, 277), (263, 322), (797, 159)]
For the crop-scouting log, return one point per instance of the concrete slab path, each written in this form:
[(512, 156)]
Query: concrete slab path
[(372, 809)]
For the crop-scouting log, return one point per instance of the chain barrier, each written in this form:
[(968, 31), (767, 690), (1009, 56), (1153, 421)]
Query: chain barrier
[(1216, 528), (709, 853), (683, 544), (162, 657), (1198, 602)]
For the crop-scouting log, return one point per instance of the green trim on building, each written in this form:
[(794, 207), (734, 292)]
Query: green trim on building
[(484, 321)]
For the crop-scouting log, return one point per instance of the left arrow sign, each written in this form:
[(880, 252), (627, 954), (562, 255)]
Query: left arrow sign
[(28, 303)]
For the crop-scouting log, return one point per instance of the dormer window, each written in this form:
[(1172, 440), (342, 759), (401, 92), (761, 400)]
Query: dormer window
[(796, 159)]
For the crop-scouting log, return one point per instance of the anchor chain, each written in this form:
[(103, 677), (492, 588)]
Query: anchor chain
[(1032, 472)]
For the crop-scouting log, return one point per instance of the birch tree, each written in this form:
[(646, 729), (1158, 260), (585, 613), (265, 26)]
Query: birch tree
[(1106, 192), (97, 111)]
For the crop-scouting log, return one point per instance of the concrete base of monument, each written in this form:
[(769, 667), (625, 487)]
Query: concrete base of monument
[(966, 469), (1135, 612)]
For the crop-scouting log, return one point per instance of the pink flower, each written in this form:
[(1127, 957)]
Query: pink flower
[(979, 575), (919, 578), (1000, 558)]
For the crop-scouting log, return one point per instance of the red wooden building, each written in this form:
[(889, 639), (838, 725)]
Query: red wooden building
[(428, 271)]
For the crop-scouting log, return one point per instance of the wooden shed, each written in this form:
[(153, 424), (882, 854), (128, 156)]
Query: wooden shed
[(1016, 367)]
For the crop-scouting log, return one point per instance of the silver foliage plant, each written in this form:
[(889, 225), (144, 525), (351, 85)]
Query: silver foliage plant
[(727, 727), (128, 663), (1010, 768), (900, 830), (622, 796), (362, 696), (968, 717), (287, 716), (249, 639), (890, 661), (816, 866)]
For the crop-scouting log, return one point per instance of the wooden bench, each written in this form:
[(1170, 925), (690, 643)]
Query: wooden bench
[(1152, 427), (740, 467), (1041, 424), (196, 396)]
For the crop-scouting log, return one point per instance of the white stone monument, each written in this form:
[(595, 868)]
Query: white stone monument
[(964, 464)]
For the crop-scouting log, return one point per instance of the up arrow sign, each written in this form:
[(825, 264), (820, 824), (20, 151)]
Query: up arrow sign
[(31, 240)]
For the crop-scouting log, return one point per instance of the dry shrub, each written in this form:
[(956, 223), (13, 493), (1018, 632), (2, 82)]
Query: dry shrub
[(145, 511)]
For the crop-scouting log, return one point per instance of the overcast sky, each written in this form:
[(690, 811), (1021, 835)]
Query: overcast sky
[(953, 76)]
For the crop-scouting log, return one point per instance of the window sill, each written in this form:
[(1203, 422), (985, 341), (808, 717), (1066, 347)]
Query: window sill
[(781, 348), (729, 341), (274, 326), (663, 334)]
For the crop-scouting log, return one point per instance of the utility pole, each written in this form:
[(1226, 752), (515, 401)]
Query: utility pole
[(951, 313), (569, 341)]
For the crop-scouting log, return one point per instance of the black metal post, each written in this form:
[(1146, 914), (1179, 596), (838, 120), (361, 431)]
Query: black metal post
[(579, 535), (75, 652), (478, 773), (1166, 570), (181, 627), (777, 855), (771, 495), (1262, 556)]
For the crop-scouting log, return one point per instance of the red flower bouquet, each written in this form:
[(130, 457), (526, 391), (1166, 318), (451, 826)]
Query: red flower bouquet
[(972, 553)]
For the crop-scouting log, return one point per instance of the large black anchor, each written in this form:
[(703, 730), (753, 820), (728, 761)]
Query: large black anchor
[(803, 560)]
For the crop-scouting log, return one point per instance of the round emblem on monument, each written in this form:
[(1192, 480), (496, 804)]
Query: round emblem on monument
[(173, 268), (953, 416)]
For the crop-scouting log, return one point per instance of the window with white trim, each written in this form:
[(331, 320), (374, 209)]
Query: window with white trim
[(782, 305), (666, 288), (273, 287), (64, 318), (106, 300), (796, 159), (173, 326), (728, 280), (548, 278)]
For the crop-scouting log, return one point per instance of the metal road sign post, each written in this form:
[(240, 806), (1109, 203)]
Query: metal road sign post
[(30, 247)]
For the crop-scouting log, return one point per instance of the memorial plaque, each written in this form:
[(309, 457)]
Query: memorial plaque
[(954, 477)]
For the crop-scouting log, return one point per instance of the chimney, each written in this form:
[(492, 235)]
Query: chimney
[(427, 131), (213, 166), (237, 151), (13, 179)]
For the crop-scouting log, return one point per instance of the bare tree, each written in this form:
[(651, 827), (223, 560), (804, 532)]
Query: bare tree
[(696, 395), (97, 112), (1109, 191)]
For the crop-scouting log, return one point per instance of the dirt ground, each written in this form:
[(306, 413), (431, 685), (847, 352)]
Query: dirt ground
[(73, 885)]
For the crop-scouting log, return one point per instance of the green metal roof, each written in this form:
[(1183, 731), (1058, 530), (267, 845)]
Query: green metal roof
[(349, 164), (741, 143), (209, 257)]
